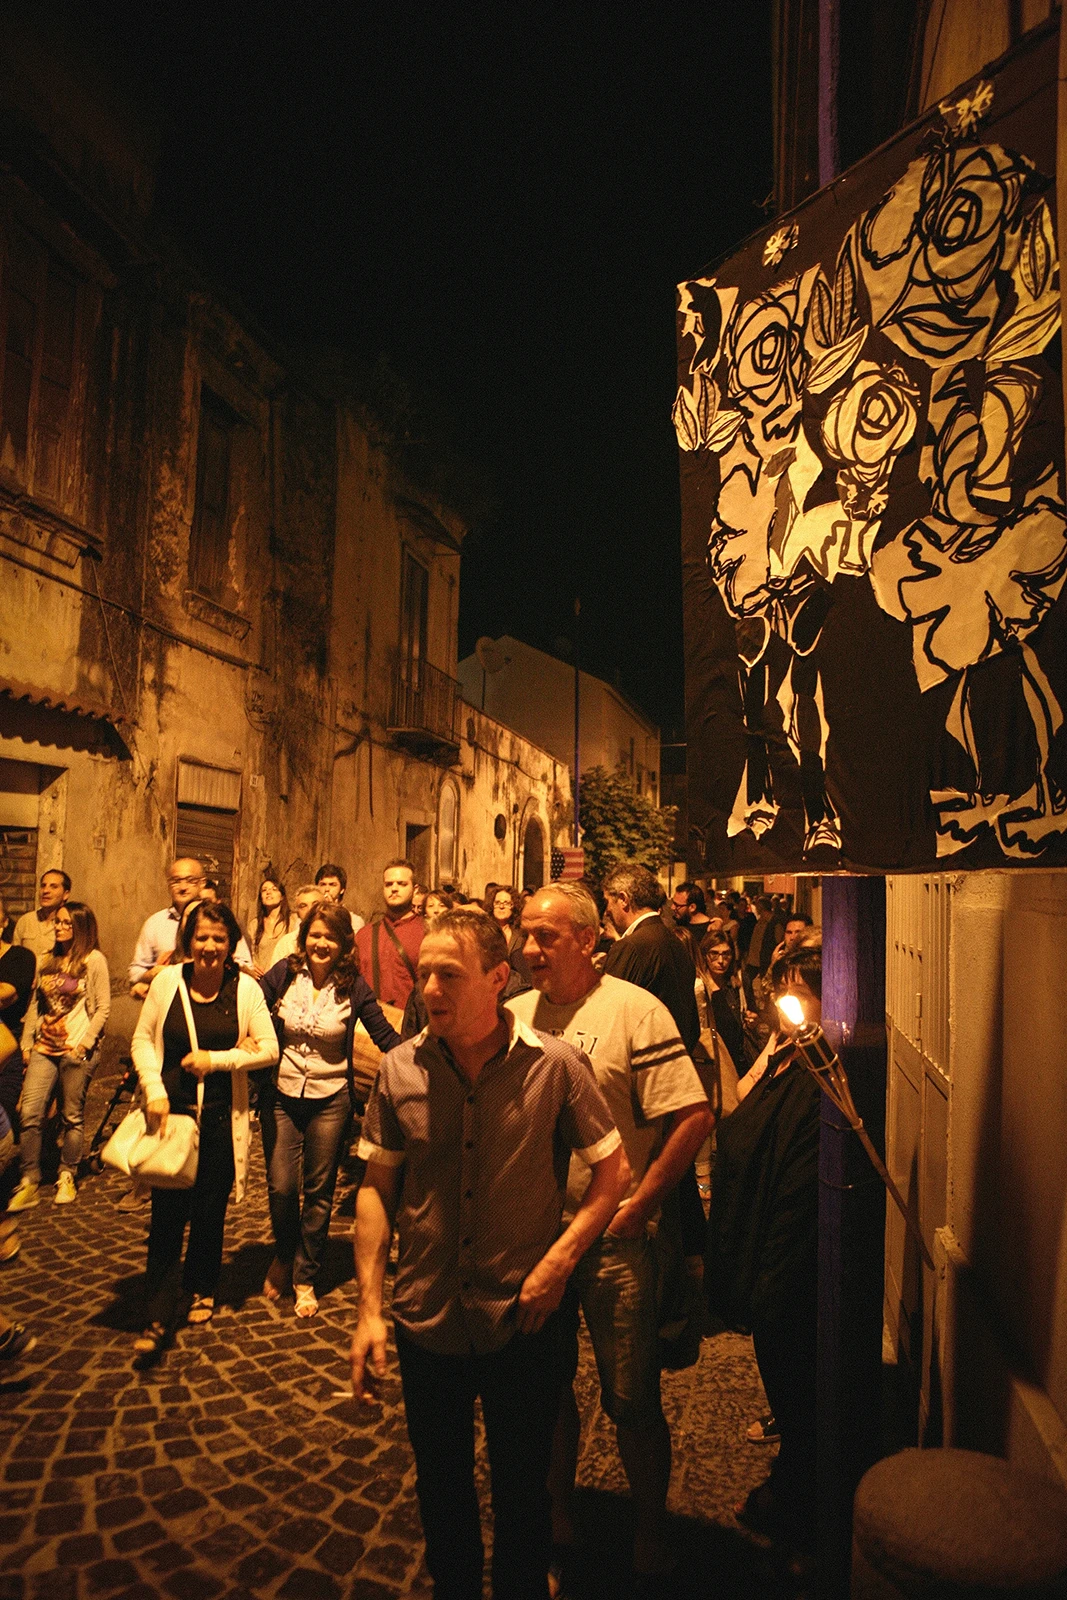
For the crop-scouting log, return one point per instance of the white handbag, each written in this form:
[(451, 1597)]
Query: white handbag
[(169, 1159), (116, 1153)]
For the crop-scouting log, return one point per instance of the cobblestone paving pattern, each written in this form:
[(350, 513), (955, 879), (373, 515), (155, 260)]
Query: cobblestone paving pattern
[(239, 1465)]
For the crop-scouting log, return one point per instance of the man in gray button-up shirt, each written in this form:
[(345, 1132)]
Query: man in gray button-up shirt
[(467, 1138)]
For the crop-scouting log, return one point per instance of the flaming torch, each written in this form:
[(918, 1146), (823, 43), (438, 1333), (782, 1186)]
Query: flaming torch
[(818, 1056)]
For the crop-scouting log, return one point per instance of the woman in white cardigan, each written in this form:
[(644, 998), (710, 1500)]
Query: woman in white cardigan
[(234, 1032)]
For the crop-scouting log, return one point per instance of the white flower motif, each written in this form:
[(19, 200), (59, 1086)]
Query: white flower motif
[(968, 111), (781, 240)]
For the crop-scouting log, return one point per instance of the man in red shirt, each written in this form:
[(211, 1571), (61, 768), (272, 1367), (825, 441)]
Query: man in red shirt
[(389, 948)]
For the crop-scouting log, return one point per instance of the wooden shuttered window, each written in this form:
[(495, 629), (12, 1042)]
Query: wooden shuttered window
[(39, 346), (209, 547)]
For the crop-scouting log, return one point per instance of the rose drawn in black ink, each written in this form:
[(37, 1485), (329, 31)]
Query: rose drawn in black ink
[(934, 250)]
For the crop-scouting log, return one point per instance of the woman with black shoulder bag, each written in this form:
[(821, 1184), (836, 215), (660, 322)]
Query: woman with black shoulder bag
[(316, 997), (203, 1025)]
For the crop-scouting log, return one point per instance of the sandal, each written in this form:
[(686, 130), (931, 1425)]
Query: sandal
[(306, 1303), (278, 1281), (151, 1341), (202, 1310), (763, 1431)]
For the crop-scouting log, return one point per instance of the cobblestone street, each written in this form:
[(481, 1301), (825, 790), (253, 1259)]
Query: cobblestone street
[(239, 1464)]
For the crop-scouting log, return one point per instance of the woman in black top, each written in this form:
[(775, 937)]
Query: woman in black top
[(717, 972), (505, 908), (233, 1033)]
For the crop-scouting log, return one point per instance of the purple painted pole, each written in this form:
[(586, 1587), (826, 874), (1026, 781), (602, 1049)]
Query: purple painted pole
[(851, 1216)]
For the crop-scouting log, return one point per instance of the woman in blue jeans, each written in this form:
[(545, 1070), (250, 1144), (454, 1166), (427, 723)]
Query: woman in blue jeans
[(316, 997), (61, 1041)]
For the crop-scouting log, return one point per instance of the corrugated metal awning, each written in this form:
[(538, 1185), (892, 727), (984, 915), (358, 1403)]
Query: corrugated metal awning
[(77, 705)]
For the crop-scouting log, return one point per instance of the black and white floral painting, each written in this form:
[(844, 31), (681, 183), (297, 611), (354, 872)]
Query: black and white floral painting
[(870, 421)]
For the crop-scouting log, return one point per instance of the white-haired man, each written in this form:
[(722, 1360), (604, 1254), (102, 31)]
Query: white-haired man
[(659, 1107)]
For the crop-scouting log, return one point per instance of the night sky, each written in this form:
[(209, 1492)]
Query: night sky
[(499, 199)]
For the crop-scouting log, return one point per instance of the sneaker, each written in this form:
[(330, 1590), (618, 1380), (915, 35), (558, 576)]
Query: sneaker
[(133, 1200), (17, 1341), (66, 1190), (24, 1196)]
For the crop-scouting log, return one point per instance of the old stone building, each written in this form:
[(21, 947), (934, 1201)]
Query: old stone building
[(227, 617)]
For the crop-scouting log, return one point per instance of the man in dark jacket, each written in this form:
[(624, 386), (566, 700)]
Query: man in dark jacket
[(649, 955), (646, 953)]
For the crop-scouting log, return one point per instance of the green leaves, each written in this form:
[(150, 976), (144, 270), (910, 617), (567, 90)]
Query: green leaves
[(618, 824)]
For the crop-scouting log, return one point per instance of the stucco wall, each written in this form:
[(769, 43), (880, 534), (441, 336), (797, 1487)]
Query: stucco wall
[(534, 692), (976, 1138)]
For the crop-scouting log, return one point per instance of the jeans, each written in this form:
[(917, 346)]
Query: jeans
[(616, 1285), (203, 1207), (519, 1387), (307, 1134), (41, 1074)]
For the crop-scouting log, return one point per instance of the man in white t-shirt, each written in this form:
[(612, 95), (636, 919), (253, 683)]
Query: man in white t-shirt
[(661, 1111)]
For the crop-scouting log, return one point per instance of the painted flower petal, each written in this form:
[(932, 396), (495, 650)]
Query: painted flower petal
[(1028, 331), (830, 367)]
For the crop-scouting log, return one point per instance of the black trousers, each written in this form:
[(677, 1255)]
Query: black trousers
[(203, 1208), (785, 1347), (519, 1387)]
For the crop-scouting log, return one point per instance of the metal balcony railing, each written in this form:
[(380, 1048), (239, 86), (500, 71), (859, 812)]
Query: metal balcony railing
[(424, 705)]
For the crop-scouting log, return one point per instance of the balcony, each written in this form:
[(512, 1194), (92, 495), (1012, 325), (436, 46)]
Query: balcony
[(423, 713)]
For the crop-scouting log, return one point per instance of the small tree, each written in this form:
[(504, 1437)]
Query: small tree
[(618, 824)]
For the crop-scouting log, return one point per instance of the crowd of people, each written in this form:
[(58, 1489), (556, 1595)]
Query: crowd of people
[(568, 1103)]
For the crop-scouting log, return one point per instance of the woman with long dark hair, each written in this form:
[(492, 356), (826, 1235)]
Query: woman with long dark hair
[(205, 1022), (61, 1036), (316, 996), (720, 999), (504, 906), (273, 921)]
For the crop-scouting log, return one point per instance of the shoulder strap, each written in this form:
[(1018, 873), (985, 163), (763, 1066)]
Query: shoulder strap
[(375, 961), (405, 958), (187, 1007)]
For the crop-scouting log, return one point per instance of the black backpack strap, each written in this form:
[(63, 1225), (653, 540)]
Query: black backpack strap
[(375, 962), (405, 958)]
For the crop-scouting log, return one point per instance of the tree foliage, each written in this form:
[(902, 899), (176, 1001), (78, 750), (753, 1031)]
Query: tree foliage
[(618, 824)]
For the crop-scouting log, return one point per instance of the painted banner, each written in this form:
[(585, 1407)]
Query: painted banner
[(870, 422)]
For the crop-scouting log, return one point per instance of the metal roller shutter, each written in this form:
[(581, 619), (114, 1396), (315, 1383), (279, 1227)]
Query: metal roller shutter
[(209, 835)]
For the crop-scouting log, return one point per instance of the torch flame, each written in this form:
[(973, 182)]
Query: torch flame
[(791, 1010)]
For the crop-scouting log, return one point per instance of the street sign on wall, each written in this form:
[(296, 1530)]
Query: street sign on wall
[(870, 423)]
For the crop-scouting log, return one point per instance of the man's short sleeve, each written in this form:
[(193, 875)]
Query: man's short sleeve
[(586, 1121), (664, 1077), (382, 1139)]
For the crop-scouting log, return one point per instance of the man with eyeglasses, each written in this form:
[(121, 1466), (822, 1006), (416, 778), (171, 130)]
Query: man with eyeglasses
[(158, 936)]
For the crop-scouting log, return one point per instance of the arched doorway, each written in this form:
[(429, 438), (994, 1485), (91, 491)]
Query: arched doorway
[(533, 856)]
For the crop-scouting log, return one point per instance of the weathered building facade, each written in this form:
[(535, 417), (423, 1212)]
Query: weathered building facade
[(227, 618)]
